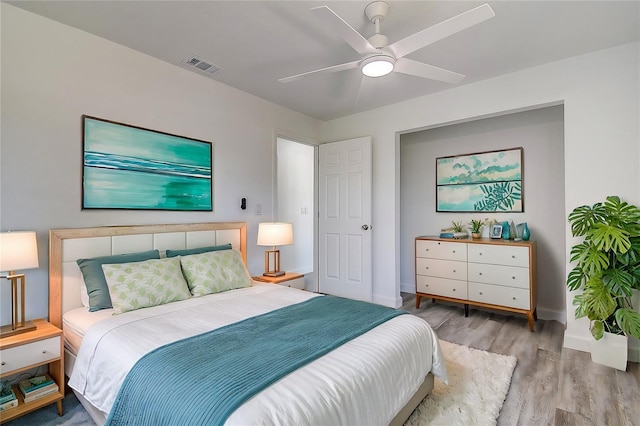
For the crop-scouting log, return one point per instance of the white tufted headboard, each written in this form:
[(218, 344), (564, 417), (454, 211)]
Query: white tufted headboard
[(68, 245)]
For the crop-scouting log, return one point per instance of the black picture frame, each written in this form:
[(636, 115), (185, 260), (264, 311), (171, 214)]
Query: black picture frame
[(496, 231)]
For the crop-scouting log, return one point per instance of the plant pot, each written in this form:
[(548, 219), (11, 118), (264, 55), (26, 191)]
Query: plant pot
[(611, 351), (475, 235)]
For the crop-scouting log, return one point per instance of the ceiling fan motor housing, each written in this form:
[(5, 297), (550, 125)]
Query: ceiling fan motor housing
[(376, 11)]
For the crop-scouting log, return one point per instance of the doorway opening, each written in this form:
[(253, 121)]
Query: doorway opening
[(295, 202)]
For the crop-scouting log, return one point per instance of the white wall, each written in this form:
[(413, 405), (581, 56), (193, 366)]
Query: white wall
[(540, 133), (52, 74), (600, 92), (295, 183)]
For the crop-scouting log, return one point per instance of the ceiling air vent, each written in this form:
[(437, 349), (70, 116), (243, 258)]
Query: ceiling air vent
[(201, 64)]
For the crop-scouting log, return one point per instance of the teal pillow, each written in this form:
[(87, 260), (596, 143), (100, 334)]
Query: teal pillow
[(199, 250), (94, 280)]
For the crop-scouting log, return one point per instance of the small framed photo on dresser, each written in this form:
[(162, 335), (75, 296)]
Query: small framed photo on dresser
[(496, 231)]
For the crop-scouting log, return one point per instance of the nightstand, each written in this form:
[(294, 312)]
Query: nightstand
[(288, 280), (22, 352)]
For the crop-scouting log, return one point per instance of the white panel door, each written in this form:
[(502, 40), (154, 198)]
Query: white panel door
[(344, 226)]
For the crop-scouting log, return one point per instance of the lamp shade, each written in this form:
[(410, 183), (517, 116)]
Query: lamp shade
[(18, 251), (275, 234)]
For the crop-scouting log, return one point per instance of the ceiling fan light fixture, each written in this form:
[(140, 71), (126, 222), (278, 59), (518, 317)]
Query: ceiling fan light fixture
[(377, 66)]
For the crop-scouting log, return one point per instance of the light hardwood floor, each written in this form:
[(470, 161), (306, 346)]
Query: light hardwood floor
[(551, 385)]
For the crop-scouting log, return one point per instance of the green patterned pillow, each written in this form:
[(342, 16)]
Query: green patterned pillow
[(143, 284), (214, 271)]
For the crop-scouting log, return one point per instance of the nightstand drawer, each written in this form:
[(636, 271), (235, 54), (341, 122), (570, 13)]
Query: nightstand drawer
[(295, 283), (28, 354)]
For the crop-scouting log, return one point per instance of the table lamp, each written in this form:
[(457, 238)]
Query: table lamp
[(18, 250), (274, 234)]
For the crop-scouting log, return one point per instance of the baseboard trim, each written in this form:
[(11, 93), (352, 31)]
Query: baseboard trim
[(408, 288), (388, 301), (552, 315), (577, 342)]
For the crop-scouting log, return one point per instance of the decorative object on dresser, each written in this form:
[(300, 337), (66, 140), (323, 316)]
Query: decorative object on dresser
[(489, 273), (456, 230), (496, 231), (274, 234), (506, 230), (289, 279), (26, 351), (607, 265), (129, 167), (488, 181), (18, 251), (475, 226), (525, 234)]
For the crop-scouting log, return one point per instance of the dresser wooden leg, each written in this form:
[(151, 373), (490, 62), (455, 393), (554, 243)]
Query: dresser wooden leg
[(59, 402), (466, 309), (418, 298), (530, 316)]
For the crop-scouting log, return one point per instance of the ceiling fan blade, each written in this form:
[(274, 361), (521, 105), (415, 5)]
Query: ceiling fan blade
[(334, 68), (344, 30), (408, 66), (442, 30)]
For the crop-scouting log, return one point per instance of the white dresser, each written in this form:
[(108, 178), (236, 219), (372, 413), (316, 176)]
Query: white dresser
[(490, 273)]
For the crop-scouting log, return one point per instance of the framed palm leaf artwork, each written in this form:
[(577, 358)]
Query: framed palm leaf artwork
[(488, 181), (129, 167)]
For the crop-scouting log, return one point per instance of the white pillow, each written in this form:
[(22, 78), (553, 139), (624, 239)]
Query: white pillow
[(214, 271), (138, 285)]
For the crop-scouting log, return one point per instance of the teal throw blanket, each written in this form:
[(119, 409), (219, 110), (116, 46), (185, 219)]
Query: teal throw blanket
[(203, 379)]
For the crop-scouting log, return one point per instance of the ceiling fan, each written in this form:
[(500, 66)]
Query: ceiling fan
[(378, 58)]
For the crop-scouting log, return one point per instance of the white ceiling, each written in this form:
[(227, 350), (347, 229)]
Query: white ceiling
[(257, 42)]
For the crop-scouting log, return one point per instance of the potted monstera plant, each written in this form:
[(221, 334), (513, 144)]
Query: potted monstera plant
[(607, 270)]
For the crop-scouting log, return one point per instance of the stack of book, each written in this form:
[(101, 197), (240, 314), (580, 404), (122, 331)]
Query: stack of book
[(8, 401), (37, 387), (451, 234)]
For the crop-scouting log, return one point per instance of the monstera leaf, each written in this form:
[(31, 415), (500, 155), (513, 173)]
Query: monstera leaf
[(629, 321)]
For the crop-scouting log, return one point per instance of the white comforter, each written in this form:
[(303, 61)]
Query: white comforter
[(364, 382)]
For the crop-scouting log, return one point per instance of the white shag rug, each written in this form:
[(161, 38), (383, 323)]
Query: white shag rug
[(478, 385)]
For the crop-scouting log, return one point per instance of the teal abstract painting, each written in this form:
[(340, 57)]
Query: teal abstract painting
[(128, 167), (480, 182)]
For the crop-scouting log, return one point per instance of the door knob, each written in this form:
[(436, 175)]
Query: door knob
[(365, 227)]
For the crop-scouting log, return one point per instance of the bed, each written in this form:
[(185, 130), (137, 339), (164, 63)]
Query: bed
[(376, 377)]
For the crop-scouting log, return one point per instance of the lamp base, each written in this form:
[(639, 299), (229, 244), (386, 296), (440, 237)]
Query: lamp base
[(274, 274), (8, 330)]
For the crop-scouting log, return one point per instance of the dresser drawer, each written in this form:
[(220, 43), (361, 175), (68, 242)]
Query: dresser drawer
[(499, 255), (441, 250), (28, 354), (498, 295), (512, 276), (441, 268), (441, 287)]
